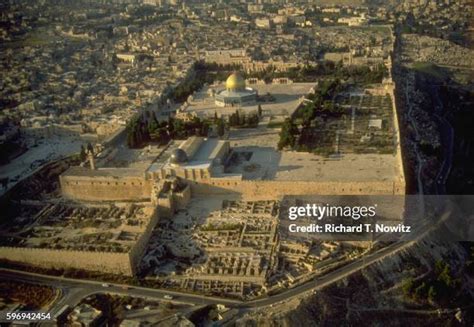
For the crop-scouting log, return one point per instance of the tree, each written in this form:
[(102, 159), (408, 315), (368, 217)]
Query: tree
[(204, 129), (83, 154), (237, 118), (152, 126), (288, 134), (306, 138), (220, 127), (252, 120), (407, 287), (308, 113), (133, 133), (232, 120), (170, 127), (432, 295), (259, 110)]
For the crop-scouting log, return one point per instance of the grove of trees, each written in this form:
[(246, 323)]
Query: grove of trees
[(318, 103), (146, 128), (242, 119), (440, 288), (33, 296)]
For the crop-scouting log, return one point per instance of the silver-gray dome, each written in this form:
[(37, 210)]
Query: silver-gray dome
[(178, 156)]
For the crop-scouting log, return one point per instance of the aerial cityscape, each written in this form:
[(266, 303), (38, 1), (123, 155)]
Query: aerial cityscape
[(236, 163)]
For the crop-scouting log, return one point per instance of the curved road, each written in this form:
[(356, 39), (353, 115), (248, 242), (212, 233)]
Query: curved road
[(74, 290)]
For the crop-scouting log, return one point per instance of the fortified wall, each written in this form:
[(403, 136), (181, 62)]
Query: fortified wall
[(125, 263), (140, 189), (108, 262), (390, 88), (110, 184), (261, 190)]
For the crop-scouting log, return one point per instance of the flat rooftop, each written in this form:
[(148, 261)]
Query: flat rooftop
[(202, 158), (163, 157), (208, 150)]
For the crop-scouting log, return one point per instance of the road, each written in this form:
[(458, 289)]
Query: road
[(74, 290), (447, 135), (446, 130), (88, 287), (421, 162)]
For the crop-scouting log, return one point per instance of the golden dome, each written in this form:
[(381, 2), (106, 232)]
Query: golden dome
[(235, 82)]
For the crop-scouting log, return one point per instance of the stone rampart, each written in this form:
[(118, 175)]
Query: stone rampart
[(275, 189), (97, 188), (117, 263), (125, 263)]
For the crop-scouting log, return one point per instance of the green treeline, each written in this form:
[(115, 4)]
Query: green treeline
[(319, 102), (146, 128), (202, 73), (440, 288), (241, 119)]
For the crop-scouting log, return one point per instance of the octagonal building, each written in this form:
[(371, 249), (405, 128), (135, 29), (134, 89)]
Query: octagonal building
[(236, 93)]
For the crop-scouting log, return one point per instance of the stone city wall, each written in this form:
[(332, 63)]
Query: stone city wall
[(125, 263), (391, 91), (80, 188), (116, 263), (138, 249), (399, 159), (181, 199), (97, 188), (275, 189), (165, 206)]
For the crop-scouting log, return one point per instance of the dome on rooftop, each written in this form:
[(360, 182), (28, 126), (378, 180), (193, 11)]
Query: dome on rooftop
[(235, 82), (178, 157)]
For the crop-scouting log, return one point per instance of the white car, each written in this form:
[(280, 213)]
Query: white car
[(168, 297), (105, 285)]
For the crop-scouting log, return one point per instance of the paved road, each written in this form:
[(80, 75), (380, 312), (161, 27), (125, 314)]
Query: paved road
[(74, 290), (88, 287), (332, 277), (447, 132)]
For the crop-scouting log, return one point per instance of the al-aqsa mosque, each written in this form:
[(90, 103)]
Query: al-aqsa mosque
[(236, 93)]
